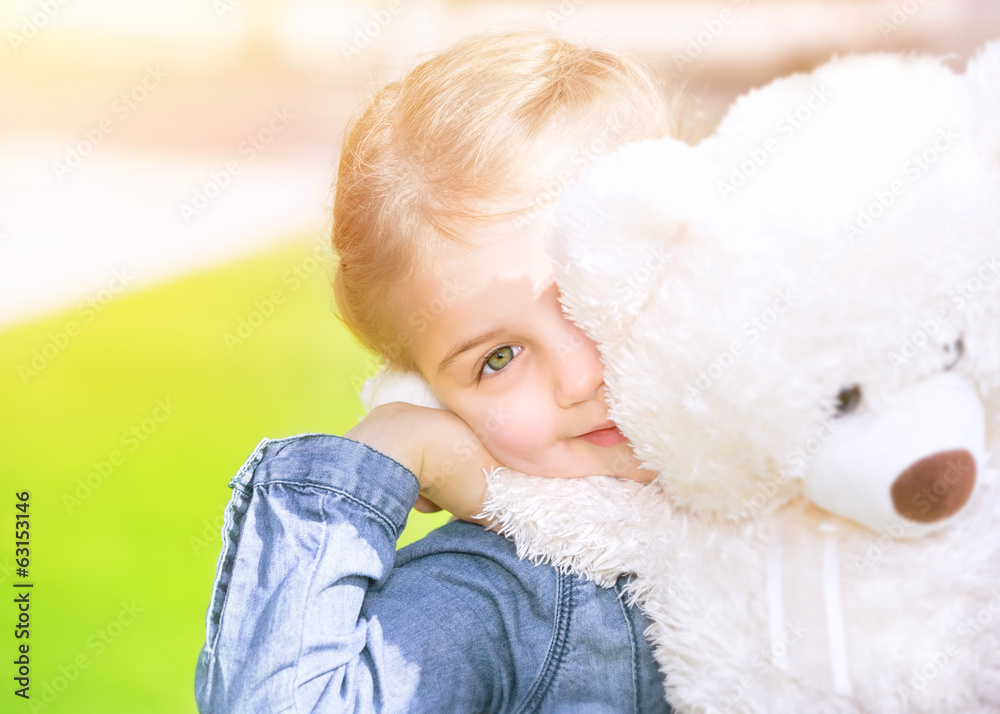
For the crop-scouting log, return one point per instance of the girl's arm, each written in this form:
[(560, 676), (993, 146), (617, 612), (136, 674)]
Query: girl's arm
[(311, 524), (313, 610), (307, 613)]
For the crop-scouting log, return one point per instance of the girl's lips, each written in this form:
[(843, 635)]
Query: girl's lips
[(610, 436)]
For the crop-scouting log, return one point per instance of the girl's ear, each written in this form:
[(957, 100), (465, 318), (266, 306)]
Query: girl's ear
[(394, 386)]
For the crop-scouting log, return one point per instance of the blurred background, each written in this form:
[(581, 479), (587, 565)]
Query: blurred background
[(164, 186)]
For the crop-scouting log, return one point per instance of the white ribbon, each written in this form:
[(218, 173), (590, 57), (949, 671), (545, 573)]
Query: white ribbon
[(834, 609), (775, 598)]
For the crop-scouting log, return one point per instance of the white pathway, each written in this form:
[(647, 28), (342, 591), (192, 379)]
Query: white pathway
[(119, 216)]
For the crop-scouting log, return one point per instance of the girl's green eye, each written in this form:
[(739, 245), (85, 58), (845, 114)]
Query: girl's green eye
[(500, 358)]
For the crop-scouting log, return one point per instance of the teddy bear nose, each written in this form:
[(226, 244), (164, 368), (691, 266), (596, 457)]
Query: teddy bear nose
[(936, 486)]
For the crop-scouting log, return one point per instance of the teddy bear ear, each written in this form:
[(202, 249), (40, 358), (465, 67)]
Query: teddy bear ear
[(621, 224)]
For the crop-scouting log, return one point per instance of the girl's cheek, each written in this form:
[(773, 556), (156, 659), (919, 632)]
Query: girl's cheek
[(513, 427), (515, 440)]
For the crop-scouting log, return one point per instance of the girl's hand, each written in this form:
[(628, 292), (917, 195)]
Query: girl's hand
[(438, 447)]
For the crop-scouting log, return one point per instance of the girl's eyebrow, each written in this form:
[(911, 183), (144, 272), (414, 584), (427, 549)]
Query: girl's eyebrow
[(467, 345)]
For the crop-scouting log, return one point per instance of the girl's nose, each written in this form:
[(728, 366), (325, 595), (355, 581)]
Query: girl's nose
[(579, 369)]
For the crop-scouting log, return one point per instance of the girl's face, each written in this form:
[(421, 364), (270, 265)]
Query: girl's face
[(489, 335)]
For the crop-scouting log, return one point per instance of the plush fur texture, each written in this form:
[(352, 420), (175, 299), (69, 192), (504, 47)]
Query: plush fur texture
[(793, 314), (840, 230)]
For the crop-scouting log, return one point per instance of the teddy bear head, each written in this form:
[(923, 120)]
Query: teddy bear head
[(807, 303)]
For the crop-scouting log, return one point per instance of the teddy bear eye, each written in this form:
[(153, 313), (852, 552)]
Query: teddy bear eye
[(955, 351), (848, 399)]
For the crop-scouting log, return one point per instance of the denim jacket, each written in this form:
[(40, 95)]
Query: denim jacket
[(314, 610)]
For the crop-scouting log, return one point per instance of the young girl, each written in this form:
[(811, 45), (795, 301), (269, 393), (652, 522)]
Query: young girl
[(439, 221)]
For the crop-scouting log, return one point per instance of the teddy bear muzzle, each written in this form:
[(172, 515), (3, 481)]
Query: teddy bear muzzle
[(914, 459), (936, 486)]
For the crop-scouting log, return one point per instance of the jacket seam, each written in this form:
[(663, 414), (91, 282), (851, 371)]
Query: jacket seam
[(557, 645), (244, 477), (289, 440), (635, 650), (302, 625), (233, 517)]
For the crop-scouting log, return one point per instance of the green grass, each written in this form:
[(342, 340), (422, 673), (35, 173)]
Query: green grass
[(122, 567)]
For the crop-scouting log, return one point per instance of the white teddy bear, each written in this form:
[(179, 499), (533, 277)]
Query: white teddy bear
[(800, 323)]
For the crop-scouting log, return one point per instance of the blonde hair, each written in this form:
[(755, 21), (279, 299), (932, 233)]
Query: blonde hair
[(438, 147)]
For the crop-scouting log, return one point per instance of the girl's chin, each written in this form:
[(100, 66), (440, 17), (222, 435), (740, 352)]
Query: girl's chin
[(641, 475)]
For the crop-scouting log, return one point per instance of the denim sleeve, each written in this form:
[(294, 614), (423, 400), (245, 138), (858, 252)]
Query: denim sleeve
[(310, 529)]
